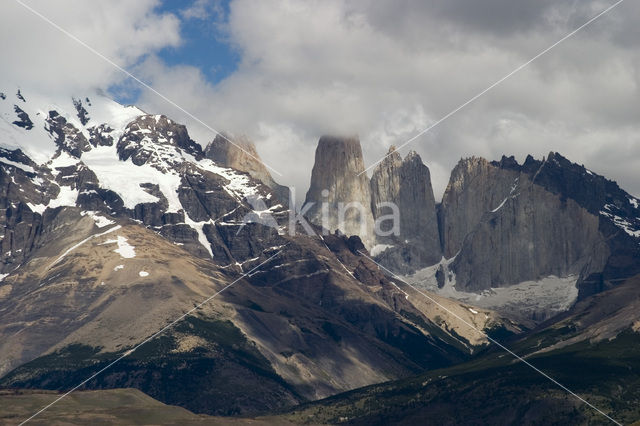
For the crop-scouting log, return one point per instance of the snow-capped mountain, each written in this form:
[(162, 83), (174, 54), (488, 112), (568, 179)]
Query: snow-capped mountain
[(31, 122), (115, 222), (96, 154)]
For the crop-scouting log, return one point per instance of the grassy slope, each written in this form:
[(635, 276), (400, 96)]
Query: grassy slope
[(198, 379), (113, 407), (493, 389)]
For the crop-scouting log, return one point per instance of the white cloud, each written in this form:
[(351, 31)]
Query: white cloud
[(40, 57), (388, 69), (203, 10), (382, 69)]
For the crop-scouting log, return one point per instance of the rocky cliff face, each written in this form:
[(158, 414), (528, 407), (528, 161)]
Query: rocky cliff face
[(533, 234), (511, 223), (475, 187), (400, 226), (242, 155), (407, 185), (339, 190)]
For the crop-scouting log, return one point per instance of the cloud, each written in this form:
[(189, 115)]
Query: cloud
[(203, 10), (384, 70), (38, 56)]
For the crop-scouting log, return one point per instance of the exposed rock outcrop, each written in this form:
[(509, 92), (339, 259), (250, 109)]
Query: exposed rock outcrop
[(407, 186), (157, 141), (532, 235), (23, 119), (83, 114), (385, 185), (242, 155), (69, 138), (339, 189), (475, 187), (101, 135), (511, 223)]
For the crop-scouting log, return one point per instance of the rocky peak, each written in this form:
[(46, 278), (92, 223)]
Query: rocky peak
[(101, 135), (158, 141), (240, 153), (23, 118), (511, 223), (83, 114), (338, 179), (476, 186), (407, 184), (509, 163), (68, 138), (385, 180)]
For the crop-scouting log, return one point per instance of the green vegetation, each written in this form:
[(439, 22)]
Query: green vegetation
[(494, 388), (225, 374)]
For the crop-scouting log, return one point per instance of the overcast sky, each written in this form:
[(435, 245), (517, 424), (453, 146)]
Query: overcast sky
[(286, 72)]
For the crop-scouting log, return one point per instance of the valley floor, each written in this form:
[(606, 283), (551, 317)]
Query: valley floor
[(112, 407)]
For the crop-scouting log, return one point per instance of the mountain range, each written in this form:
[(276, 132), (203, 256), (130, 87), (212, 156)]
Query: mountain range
[(116, 222)]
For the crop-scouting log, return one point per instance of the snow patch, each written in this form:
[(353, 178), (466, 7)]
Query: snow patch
[(199, 228), (143, 274), (100, 221), (3, 276), (125, 178), (536, 300), (37, 208), (66, 197), (379, 248), (619, 221), (500, 206), (125, 249), (513, 188), (239, 185), (118, 267), (24, 167), (63, 159)]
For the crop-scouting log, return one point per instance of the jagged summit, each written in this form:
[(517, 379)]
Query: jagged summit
[(158, 141), (548, 219), (240, 153), (398, 187), (501, 224), (337, 179), (93, 153), (407, 184), (39, 124)]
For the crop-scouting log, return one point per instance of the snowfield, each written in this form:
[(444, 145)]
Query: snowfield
[(529, 300)]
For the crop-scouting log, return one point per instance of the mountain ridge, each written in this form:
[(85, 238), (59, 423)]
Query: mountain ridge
[(127, 222)]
